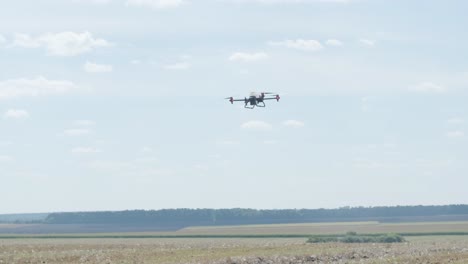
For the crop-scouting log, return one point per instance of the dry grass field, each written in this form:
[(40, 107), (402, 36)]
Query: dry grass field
[(98, 249), (330, 228), (440, 249)]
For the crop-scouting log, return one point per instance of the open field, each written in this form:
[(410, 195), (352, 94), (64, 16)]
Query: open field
[(440, 249), (280, 230), (242, 245), (331, 228), (302, 230)]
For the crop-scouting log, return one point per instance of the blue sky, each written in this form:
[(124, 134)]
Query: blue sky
[(118, 104)]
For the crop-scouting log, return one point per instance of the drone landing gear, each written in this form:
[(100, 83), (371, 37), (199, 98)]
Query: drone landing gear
[(249, 107), (261, 104)]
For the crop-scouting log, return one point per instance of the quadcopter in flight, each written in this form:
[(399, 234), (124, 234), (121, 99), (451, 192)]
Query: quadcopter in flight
[(255, 99)]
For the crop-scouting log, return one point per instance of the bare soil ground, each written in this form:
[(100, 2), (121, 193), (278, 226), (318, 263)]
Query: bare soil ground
[(441, 249)]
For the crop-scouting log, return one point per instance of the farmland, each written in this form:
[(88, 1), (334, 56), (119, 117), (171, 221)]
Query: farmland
[(441, 249), (266, 244)]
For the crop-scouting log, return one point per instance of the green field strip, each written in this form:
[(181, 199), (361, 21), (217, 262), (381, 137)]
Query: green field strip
[(88, 236)]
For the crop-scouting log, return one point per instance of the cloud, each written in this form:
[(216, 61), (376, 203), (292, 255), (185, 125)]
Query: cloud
[(16, 114), (146, 149), (228, 142), (455, 134), (77, 132), (61, 44), (5, 143), (256, 125), (147, 159), (427, 87), (289, 1), (39, 86), (156, 4), (334, 43), (5, 158), (366, 103), (97, 68), (294, 123), (177, 66), (299, 44), (111, 165), (3, 40), (85, 150), (367, 42), (456, 121), (248, 57), (84, 122), (95, 2), (270, 142)]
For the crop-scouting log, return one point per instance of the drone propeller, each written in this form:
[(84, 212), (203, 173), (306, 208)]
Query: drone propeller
[(230, 99)]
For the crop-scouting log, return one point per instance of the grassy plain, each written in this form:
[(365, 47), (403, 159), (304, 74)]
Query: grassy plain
[(330, 228), (440, 249), (149, 248), (277, 230)]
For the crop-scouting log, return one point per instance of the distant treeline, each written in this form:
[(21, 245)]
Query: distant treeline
[(191, 217), (23, 218)]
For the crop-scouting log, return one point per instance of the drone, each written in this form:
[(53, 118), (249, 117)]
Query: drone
[(255, 99)]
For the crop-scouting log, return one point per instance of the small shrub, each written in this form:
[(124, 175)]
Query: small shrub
[(353, 237), (322, 239)]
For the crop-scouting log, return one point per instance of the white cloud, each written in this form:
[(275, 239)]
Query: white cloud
[(97, 68), (77, 132), (455, 134), (294, 123), (248, 57), (16, 114), (427, 87), (96, 2), (61, 44), (367, 42), (365, 104), (256, 125), (363, 163), (84, 122), (289, 1), (157, 4), (146, 149), (178, 66), (334, 43), (85, 150), (39, 86), (5, 158), (148, 159), (2, 40), (456, 121), (299, 44), (111, 165), (228, 142), (5, 143)]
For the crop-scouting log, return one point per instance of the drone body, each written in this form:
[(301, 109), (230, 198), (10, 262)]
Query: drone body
[(255, 100)]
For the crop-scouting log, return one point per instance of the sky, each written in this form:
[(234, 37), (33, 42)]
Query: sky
[(119, 104)]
